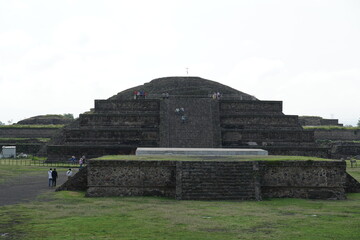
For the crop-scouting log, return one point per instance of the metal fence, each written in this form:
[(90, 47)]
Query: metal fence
[(36, 162)]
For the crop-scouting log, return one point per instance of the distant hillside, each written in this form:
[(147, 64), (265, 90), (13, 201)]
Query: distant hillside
[(50, 119)]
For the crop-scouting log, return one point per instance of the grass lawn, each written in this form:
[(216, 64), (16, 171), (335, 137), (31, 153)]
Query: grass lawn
[(10, 168), (70, 215), (9, 171), (211, 158), (33, 126)]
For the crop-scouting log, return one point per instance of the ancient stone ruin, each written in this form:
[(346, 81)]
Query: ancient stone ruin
[(220, 179), (183, 112), (191, 112)]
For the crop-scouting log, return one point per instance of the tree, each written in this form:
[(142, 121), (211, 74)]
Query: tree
[(1, 123), (68, 115), (358, 124)]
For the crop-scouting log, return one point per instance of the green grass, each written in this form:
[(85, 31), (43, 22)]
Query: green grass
[(25, 139), (210, 158), (33, 126), (10, 168), (330, 128), (69, 215), (9, 171)]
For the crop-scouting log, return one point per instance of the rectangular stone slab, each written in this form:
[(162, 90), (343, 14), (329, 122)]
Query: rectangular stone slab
[(200, 151)]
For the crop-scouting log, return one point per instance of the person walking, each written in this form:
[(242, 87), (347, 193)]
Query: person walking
[(69, 173), (54, 177), (50, 177)]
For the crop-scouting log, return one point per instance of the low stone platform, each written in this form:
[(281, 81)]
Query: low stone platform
[(217, 180), (200, 151)]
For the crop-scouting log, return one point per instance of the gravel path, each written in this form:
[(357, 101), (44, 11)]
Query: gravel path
[(27, 188)]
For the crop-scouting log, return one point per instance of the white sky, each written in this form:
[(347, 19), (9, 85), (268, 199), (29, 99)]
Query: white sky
[(58, 56)]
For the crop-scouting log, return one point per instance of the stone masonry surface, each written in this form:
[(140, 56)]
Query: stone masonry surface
[(217, 180)]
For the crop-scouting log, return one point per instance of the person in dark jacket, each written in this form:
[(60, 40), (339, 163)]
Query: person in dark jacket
[(54, 177)]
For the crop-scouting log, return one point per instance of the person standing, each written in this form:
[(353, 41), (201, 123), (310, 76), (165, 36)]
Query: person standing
[(50, 177), (54, 177), (81, 162), (84, 159), (69, 173)]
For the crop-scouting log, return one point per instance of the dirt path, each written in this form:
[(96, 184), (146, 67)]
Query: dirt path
[(27, 188)]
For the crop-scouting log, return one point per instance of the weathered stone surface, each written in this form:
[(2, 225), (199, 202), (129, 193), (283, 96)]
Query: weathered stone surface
[(215, 181), (235, 120), (318, 121), (29, 132), (218, 180), (182, 86), (131, 178), (337, 134), (303, 179), (352, 185), (199, 129), (250, 107), (78, 182)]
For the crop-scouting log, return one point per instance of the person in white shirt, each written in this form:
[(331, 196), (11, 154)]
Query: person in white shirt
[(69, 173), (50, 177)]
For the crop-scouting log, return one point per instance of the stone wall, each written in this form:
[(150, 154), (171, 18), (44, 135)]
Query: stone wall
[(28, 148), (78, 182), (215, 180), (124, 106), (303, 179), (311, 151), (318, 121), (251, 107), (234, 137), (131, 178), (124, 120), (27, 132), (345, 150), (121, 136), (337, 134), (62, 153), (259, 121)]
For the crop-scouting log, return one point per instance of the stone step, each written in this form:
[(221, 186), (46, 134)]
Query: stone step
[(233, 121), (229, 106), (260, 136), (120, 120), (127, 105)]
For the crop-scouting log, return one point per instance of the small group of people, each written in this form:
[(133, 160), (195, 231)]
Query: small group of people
[(81, 160), (52, 175), (165, 95), (216, 95), (181, 112), (140, 94)]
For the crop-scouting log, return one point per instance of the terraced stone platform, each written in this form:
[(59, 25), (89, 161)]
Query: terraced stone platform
[(124, 122)]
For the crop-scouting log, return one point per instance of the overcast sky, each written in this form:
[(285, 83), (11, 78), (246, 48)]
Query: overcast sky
[(58, 56)]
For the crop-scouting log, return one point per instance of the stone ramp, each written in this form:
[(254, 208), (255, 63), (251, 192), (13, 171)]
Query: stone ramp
[(198, 128), (217, 181)]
